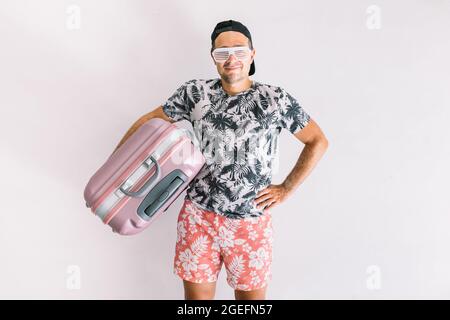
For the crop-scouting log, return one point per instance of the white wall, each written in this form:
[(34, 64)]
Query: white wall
[(377, 198)]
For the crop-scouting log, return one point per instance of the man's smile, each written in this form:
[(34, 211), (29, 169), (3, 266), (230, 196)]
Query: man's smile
[(232, 67)]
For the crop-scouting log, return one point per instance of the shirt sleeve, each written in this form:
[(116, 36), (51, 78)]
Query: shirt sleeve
[(292, 116), (178, 106)]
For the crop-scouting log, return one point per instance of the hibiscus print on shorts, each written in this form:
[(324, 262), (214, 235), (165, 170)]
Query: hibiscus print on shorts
[(206, 240)]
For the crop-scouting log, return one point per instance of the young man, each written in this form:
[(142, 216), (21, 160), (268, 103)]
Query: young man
[(225, 218)]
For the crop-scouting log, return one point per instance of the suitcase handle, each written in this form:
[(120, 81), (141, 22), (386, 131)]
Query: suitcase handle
[(148, 185), (166, 194)]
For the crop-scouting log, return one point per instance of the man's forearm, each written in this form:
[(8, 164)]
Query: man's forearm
[(132, 130), (309, 157)]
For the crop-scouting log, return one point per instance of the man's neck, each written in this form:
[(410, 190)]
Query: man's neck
[(236, 87)]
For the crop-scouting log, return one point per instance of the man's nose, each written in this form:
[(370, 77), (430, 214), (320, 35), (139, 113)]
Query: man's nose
[(232, 58)]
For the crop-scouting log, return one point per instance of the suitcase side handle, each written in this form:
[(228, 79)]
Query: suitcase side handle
[(163, 192), (148, 185)]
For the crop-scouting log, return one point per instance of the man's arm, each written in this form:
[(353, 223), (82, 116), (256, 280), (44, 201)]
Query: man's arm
[(157, 113), (315, 146)]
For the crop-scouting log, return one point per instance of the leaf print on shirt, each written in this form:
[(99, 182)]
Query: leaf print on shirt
[(257, 112), (244, 126), (293, 117), (255, 181), (216, 104), (246, 103), (292, 111), (263, 101), (232, 105), (222, 122), (266, 121), (240, 211), (230, 193), (216, 186), (214, 203), (249, 194), (238, 135), (236, 170), (195, 93)]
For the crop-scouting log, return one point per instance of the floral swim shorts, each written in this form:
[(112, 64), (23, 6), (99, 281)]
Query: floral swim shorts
[(206, 239)]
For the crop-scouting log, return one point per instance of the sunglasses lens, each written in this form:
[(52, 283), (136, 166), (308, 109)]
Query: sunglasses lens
[(220, 55), (240, 54)]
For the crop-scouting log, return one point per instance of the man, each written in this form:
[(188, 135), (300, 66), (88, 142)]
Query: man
[(225, 218)]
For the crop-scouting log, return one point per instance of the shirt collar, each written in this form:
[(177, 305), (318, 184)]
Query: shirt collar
[(252, 89)]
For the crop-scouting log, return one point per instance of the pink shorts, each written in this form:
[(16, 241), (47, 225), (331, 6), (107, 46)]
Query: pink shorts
[(206, 239)]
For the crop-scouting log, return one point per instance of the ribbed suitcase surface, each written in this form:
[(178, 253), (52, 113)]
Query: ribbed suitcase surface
[(143, 177)]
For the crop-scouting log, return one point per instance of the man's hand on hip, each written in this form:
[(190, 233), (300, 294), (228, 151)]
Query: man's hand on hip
[(271, 196)]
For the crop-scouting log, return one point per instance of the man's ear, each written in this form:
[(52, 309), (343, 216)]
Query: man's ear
[(253, 54)]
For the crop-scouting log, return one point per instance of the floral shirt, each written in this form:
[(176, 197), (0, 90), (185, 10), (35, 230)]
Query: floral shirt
[(238, 135)]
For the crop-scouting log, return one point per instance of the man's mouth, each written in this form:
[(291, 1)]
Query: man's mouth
[(232, 67)]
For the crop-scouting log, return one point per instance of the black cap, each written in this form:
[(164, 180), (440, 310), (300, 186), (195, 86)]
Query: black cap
[(232, 25)]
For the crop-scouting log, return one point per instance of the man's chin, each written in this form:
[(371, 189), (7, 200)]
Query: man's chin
[(231, 77)]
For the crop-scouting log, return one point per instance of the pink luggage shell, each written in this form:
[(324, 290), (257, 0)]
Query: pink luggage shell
[(144, 176)]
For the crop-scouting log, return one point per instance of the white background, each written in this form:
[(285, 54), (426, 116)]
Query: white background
[(370, 222)]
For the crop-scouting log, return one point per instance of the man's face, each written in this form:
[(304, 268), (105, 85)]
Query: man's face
[(233, 69)]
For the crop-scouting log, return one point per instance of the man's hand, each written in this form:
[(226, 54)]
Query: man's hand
[(271, 196), (315, 146)]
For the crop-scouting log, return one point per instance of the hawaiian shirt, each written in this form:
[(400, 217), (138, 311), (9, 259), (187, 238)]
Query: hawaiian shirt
[(238, 135)]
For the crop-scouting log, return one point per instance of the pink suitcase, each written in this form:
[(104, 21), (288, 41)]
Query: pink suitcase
[(144, 176)]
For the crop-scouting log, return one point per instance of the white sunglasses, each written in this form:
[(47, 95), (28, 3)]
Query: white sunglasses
[(222, 54)]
